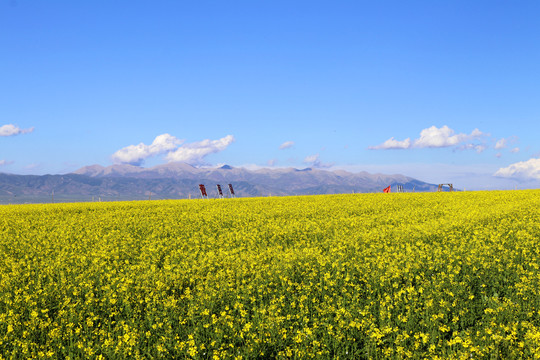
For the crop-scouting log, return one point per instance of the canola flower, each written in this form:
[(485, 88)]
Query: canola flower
[(365, 276)]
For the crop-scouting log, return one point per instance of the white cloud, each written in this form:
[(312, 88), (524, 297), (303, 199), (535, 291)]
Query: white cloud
[(443, 137), (523, 170), (11, 130), (272, 162), (515, 150), (286, 145), (505, 142), (478, 147), (136, 154), (5, 162), (174, 148), (314, 161), (434, 137), (194, 153), (500, 144), (393, 144), (311, 158)]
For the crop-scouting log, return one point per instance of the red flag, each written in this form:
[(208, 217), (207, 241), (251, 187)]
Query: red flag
[(387, 190), (203, 190)]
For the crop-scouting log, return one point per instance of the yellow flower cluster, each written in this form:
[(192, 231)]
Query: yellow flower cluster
[(422, 276)]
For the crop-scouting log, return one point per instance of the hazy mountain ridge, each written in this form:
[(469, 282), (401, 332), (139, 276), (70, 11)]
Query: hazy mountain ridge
[(179, 180)]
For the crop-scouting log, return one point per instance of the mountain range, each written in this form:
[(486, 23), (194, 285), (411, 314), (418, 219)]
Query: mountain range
[(180, 180)]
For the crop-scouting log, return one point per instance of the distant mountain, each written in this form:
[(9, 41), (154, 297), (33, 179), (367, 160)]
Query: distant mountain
[(180, 180)]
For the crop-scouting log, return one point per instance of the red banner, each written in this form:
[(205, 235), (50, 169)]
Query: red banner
[(203, 190)]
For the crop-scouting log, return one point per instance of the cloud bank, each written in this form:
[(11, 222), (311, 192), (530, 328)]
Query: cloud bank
[(12, 130), (174, 148), (5, 162), (523, 170), (434, 137)]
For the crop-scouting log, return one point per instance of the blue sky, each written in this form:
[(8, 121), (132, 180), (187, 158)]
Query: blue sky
[(441, 91)]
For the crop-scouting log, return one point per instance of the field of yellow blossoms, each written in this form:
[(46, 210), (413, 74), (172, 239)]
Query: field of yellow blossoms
[(365, 276)]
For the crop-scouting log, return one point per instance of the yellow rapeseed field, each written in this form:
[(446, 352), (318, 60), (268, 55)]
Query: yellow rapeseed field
[(367, 276)]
